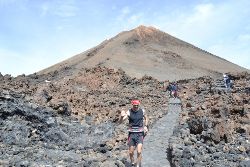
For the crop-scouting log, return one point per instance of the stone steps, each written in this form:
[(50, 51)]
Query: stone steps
[(156, 142)]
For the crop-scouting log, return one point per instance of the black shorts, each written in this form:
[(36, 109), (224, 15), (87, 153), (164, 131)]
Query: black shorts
[(134, 138)]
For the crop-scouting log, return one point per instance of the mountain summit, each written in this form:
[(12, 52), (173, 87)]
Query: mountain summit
[(149, 51)]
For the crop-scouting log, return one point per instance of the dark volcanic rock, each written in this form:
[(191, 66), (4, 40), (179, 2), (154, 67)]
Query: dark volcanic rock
[(60, 119), (27, 129), (211, 133)]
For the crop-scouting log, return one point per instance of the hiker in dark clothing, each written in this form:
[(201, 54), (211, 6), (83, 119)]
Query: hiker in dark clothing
[(137, 129), (173, 89), (227, 81)]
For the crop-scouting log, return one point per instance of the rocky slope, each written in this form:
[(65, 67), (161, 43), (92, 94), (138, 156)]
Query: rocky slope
[(147, 50), (46, 117), (65, 119), (214, 127)]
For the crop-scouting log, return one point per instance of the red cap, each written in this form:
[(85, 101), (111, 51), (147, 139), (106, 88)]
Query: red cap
[(135, 102)]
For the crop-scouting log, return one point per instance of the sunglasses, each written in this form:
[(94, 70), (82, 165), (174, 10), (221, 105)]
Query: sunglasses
[(135, 105)]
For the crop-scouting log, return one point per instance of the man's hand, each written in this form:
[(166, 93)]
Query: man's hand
[(123, 113), (123, 116)]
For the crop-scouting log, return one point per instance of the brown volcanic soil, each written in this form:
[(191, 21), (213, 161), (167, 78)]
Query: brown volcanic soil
[(147, 50)]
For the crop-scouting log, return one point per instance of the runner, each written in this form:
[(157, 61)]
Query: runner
[(137, 130)]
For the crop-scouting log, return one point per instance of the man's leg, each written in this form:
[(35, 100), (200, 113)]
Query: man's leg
[(131, 144), (131, 153), (225, 83), (140, 137), (139, 154)]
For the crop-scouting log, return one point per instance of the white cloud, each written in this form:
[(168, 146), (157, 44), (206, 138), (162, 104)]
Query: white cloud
[(202, 13), (125, 11), (128, 19), (221, 28), (44, 9), (197, 25), (135, 19), (64, 9)]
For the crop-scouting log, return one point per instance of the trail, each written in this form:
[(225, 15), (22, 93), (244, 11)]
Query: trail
[(156, 142)]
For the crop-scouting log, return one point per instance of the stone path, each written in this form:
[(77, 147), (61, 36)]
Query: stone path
[(156, 142)]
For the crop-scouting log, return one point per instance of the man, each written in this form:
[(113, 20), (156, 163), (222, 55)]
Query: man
[(227, 81), (173, 89), (169, 88), (138, 128)]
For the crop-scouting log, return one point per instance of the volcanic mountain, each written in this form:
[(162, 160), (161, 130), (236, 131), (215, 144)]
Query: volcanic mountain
[(149, 51)]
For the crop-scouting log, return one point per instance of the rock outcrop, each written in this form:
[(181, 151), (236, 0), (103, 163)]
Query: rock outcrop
[(214, 125)]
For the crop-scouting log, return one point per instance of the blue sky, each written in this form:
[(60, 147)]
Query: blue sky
[(35, 34)]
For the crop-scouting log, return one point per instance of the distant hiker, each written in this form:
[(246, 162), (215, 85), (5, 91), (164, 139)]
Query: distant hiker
[(138, 128), (225, 77), (227, 81), (169, 88), (173, 89)]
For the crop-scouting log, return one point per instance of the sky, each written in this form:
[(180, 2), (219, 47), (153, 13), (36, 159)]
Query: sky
[(35, 34)]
